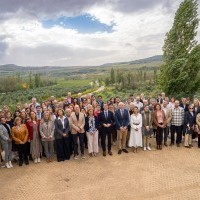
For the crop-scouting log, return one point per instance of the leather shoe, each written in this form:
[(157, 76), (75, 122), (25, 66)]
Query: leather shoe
[(104, 153), (110, 153), (165, 144), (120, 151), (20, 163), (124, 150), (26, 162)]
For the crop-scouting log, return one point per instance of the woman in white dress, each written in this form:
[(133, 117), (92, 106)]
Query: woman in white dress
[(135, 140)]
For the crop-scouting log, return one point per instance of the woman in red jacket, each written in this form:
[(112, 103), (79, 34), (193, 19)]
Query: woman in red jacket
[(34, 135)]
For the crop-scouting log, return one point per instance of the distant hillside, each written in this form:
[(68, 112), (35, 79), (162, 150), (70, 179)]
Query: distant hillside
[(157, 58), (10, 69)]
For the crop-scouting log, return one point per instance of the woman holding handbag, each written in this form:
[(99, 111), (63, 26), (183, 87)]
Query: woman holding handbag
[(91, 128), (189, 123)]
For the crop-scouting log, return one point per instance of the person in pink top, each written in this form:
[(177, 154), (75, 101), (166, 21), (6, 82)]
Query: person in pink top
[(160, 122)]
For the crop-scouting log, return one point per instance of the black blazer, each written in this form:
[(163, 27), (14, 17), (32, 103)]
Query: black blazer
[(108, 120), (159, 100), (79, 100), (189, 119), (59, 128), (121, 121), (197, 110), (186, 107), (87, 123)]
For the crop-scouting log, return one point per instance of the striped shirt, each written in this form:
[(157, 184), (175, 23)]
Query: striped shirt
[(177, 116)]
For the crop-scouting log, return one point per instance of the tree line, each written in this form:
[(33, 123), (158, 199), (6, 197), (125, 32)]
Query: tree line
[(130, 79), (17, 82)]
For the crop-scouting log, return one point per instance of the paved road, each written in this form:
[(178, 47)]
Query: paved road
[(173, 173)]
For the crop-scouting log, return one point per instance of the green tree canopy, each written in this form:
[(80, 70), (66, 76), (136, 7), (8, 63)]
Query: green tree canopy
[(179, 74)]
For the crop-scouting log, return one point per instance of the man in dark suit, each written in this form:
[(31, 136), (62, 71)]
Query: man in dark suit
[(122, 122), (106, 120), (184, 104)]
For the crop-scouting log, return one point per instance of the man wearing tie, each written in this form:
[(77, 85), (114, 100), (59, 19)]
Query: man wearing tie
[(106, 120), (122, 122)]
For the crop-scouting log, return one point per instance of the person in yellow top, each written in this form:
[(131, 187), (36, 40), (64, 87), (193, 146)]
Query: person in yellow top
[(20, 137)]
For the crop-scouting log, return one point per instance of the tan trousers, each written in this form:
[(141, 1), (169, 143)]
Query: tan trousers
[(188, 140), (121, 137)]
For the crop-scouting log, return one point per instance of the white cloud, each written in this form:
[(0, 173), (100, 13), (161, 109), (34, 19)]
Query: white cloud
[(139, 31)]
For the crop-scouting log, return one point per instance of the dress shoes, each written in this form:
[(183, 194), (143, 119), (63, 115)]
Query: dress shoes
[(20, 163), (26, 162), (110, 153), (124, 150), (120, 151), (187, 147), (104, 153)]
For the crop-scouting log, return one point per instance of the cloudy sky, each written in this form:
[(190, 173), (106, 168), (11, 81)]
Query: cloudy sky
[(82, 32)]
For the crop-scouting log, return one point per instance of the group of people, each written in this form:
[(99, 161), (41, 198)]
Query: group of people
[(39, 130)]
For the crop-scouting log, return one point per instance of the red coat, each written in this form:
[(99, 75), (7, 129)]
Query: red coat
[(29, 125)]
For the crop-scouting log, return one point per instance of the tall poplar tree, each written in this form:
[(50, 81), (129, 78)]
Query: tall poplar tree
[(112, 76), (179, 74)]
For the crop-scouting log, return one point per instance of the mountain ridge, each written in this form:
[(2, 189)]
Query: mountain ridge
[(138, 61)]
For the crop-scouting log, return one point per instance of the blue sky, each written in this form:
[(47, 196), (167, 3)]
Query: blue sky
[(83, 23), (83, 32)]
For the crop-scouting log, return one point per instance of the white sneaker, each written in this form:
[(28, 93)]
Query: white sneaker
[(145, 148), (75, 157), (38, 160), (7, 165), (148, 148), (35, 160), (83, 157), (10, 164)]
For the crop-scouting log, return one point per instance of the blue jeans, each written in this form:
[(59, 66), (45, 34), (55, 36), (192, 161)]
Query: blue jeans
[(176, 129), (166, 133)]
